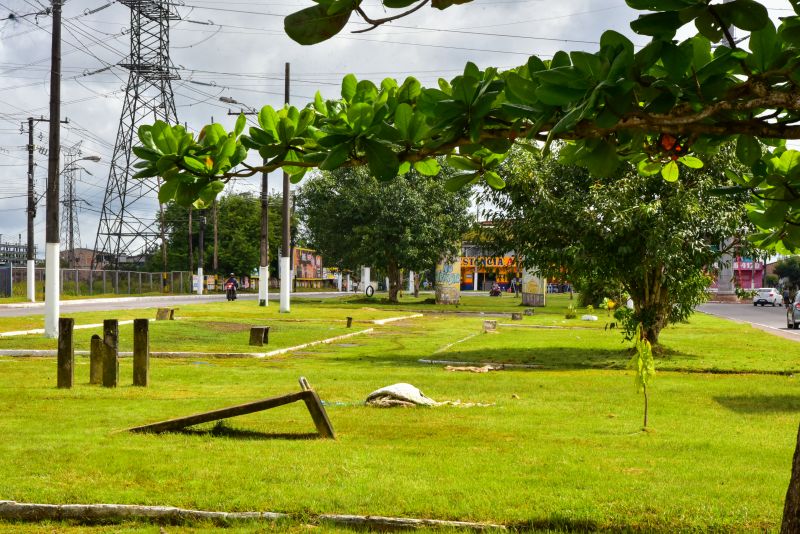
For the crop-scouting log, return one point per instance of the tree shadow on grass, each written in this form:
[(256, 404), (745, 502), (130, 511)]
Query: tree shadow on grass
[(550, 358), (223, 430), (758, 404)]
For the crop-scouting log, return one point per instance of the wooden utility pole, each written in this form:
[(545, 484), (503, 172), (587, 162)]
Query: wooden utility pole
[(285, 268), (52, 285), (191, 237), (215, 262)]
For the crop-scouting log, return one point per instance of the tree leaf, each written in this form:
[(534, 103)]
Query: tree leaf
[(167, 191), (493, 180), (663, 24), (382, 161), (240, 123), (194, 165), (427, 167), (349, 85), (748, 149), (648, 168), (459, 180), (691, 162), (314, 25), (670, 172)]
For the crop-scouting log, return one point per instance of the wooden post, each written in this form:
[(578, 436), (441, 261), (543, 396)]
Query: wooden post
[(66, 353), (110, 353), (96, 361), (259, 335), (349, 322), (141, 352)]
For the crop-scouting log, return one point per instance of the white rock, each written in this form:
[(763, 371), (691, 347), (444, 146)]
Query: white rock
[(588, 317), (401, 392)]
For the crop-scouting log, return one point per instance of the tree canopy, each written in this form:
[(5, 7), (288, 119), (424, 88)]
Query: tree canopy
[(408, 223), (666, 106), (659, 240), (239, 230), (789, 268)]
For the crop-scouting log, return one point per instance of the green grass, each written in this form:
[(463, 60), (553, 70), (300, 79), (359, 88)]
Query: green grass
[(559, 448)]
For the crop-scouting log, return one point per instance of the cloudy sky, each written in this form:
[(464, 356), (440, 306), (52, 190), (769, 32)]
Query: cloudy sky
[(237, 49)]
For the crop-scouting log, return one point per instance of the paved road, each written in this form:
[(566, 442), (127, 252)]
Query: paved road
[(67, 306), (766, 318)]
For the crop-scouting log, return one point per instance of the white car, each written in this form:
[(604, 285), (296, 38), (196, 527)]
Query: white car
[(767, 295)]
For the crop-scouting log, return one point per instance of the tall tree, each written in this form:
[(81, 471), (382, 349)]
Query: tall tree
[(352, 219), (658, 240), (239, 234)]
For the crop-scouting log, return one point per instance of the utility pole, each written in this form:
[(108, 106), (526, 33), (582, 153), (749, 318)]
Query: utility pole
[(31, 210), (215, 262), (286, 275), (191, 238), (51, 292), (201, 246), (263, 270), (31, 273)]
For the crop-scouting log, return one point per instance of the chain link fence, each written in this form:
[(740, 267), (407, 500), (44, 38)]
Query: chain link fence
[(89, 283)]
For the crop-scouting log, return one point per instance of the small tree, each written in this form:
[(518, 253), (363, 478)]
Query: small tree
[(352, 219), (644, 366), (656, 239)]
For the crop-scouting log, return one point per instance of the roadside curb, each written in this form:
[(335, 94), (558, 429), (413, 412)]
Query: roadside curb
[(90, 514), (44, 353)]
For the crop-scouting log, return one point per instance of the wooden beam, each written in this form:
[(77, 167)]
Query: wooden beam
[(310, 398), (141, 352)]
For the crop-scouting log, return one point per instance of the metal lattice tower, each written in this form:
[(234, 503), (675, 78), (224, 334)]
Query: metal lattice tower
[(70, 229), (128, 226)]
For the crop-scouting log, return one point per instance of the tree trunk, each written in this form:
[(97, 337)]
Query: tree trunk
[(395, 280), (416, 284), (791, 507)]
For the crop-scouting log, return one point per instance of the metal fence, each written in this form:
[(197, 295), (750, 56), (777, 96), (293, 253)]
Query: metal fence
[(87, 282)]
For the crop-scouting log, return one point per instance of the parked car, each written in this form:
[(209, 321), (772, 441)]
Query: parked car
[(793, 313), (767, 295)]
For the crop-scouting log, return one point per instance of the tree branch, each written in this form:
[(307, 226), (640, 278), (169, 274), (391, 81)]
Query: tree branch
[(377, 22)]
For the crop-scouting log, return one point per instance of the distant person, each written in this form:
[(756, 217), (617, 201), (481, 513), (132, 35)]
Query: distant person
[(513, 285), (787, 298), (231, 285)]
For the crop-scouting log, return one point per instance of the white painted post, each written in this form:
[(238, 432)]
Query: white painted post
[(387, 283), (349, 287), (475, 279), (200, 280), (286, 284), (263, 285), (31, 279), (339, 282), (410, 281), (365, 278), (52, 306)]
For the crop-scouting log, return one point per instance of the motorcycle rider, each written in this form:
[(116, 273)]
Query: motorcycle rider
[(231, 285)]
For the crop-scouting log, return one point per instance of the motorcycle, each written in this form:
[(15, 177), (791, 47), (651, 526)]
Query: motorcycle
[(230, 290), (495, 291)]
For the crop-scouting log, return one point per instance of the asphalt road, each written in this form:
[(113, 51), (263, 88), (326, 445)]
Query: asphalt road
[(68, 306), (766, 318)]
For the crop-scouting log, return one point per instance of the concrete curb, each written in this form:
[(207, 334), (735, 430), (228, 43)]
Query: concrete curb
[(43, 353), (90, 514), (393, 319), (41, 330)]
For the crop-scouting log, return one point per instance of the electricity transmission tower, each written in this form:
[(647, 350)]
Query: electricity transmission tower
[(70, 229), (127, 223)]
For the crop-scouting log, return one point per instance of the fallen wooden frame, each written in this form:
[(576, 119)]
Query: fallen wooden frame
[(307, 395)]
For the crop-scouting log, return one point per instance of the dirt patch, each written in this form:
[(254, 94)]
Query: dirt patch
[(226, 327)]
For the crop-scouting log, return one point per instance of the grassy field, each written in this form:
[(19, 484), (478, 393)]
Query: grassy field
[(556, 448)]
